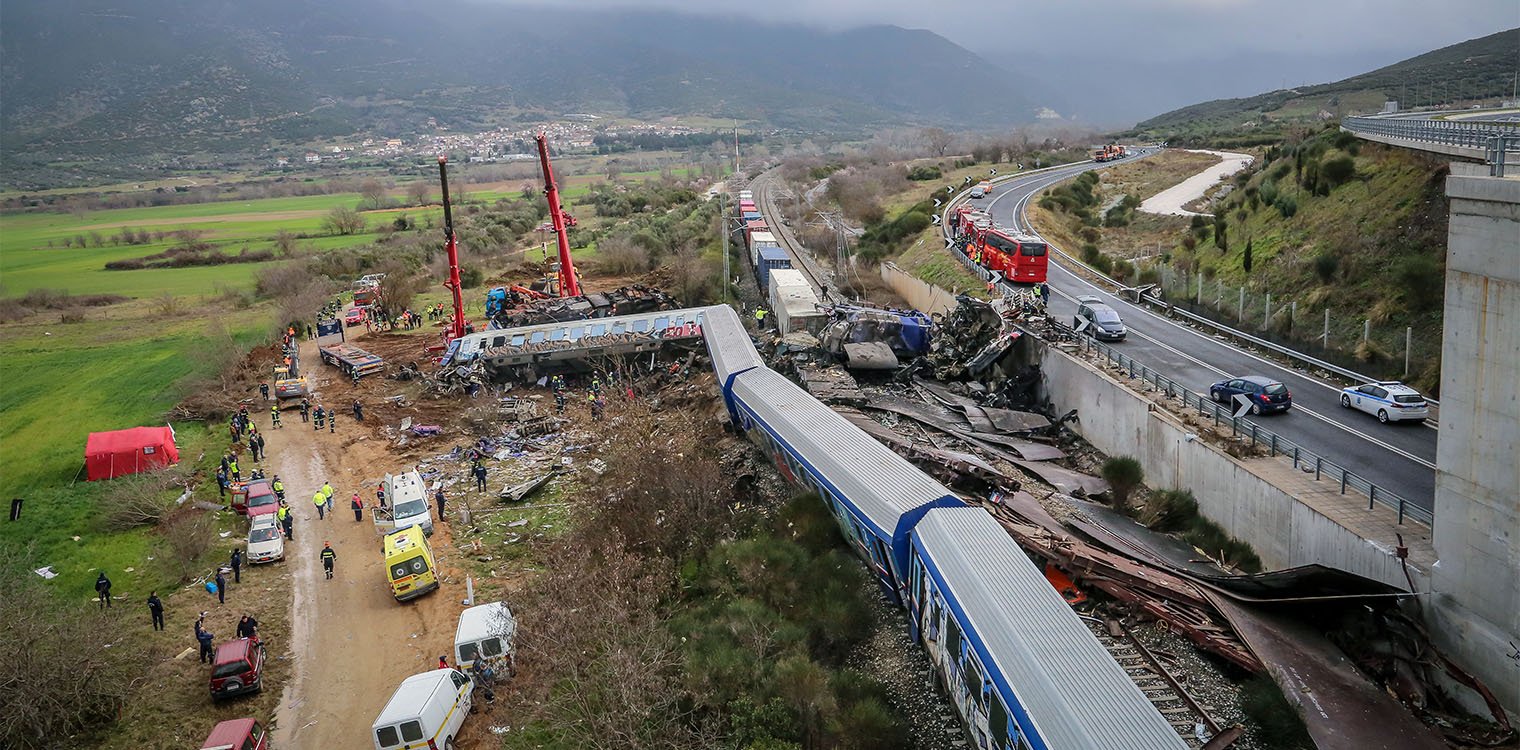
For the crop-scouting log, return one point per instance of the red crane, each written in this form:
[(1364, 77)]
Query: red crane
[(456, 325), (569, 285)]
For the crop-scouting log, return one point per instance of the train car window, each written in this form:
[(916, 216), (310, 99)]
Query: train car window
[(557, 334), (518, 340), (537, 337), (952, 638), (620, 328), (499, 341), (660, 323), (600, 329), (997, 723), (577, 332), (640, 326)]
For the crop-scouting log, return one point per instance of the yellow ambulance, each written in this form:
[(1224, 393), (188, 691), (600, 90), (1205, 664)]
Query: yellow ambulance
[(409, 563)]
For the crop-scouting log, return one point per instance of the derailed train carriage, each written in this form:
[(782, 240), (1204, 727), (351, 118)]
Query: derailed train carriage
[(527, 353), (1022, 670)]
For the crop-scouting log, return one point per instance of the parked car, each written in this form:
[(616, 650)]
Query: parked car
[(1390, 401), (1102, 321), (265, 542), (238, 668), (254, 498), (237, 734), (426, 710), (354, 316), (1265, 394)]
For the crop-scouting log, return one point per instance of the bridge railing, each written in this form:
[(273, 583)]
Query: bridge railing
[(1468, 134), (1277, 446)]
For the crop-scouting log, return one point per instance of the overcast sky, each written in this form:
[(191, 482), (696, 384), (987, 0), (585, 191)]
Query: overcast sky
[(1141, 29)]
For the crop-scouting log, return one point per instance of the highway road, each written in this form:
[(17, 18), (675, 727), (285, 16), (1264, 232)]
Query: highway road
[(1398, 457)]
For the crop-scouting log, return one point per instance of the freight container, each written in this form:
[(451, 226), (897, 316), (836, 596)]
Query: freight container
[(753, 215), (751, 227), (771, 258), (757, 241), (745, 195), (793, 302), (745, 206)]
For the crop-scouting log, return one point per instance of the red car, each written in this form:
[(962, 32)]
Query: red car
[(254, 498), (237, 734), (354, 316), (237, 669)]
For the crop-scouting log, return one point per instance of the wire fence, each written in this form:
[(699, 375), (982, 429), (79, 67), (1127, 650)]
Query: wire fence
[(1276, 445)]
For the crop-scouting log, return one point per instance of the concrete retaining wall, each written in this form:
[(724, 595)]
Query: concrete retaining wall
[(920, 294), (1284, 531)]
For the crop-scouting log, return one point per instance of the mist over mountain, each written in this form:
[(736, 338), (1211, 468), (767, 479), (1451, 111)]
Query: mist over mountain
[(94, 77)]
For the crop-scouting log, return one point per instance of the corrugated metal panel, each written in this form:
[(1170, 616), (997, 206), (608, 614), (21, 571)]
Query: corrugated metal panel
[(1077, 695), (880, 483), (728, 343)]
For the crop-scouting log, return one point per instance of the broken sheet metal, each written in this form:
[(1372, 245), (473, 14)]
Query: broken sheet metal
[(1067, 481), (521, 491), (870, 355), (831, 385), (1342, 709), (1027, 449)]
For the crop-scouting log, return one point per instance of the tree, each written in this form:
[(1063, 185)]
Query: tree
[(418, 193), (373, 193), (1124, 475), (936, 139), (1221, 237), (343, 220), (1245, 260)]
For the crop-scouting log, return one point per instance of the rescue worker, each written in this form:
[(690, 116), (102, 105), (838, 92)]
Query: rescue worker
[(358, 411), (320, 500), (596, 407), (274, 416), (205, 638), (103, 588), (156, 609), (440, 499), (380, 494), (264, 390), (237, 475), (279, 488), (221, 587), (328, 557), (317, 419), (1035, 292), (221, 482), (760, 314), (327, 492), (559, 401), (283, 516), (480, 477), (353, 377), (305, 409), (237, 565), (358, 508), (332, 421)]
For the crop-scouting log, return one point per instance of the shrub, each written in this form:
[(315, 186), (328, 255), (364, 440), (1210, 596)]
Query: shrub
[(1091, 234), (1325, 266), (1090, 253), (1103, 264), (1189, 242), (1268, 192), (925, 173), (471, 277), (1422, 279), (1170, 510), (1124, 475), (1286, 206), (1245, 258), (1337, 170)]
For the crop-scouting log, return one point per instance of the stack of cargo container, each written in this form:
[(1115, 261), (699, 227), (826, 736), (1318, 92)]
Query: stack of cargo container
[(771, 258), (759, 240)]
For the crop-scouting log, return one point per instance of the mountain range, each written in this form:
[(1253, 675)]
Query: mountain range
[(92, 78)]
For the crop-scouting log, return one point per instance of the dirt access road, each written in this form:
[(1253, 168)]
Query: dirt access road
[(352, 642)]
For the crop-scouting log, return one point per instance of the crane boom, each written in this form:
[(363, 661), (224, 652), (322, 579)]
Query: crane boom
[(569, 285), (456, 326)]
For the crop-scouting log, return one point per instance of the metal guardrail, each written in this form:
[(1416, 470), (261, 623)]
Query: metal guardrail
[(1277, 445), (1463, 133)]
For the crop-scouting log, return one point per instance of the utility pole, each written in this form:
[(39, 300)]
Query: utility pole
[(723, 223)]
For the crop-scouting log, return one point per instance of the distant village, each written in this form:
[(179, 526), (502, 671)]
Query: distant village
[(577, 133)]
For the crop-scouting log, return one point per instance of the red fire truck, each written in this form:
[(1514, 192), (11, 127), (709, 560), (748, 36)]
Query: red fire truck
[(1020, 259)]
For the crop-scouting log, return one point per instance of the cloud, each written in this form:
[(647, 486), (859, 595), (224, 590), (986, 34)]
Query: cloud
[(1129, 29)]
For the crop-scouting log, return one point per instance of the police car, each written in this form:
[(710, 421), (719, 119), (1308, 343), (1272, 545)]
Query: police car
[(1390, 401)]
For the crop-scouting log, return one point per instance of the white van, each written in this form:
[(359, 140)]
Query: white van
[(426, 711), (487, 632), (408, 496)]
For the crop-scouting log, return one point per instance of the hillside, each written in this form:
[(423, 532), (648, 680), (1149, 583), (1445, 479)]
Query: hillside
[(1332, 224), (1474, 70), (91, 79)]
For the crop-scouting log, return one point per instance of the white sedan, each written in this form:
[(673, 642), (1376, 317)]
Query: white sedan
[(265, 543), (1389, 401)]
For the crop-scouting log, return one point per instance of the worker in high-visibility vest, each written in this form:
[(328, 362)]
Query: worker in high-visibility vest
[(320, 500)]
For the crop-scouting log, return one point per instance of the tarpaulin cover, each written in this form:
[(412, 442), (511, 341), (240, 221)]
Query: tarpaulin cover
[(108, 455)]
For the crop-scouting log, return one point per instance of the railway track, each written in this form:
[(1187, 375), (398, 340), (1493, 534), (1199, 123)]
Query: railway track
[(1160, 687), (802, 260)]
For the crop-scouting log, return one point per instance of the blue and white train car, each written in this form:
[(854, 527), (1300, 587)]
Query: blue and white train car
[(874, 494), (1021, 668)]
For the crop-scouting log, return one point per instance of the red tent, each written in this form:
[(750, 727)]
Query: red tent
[(108, 455)]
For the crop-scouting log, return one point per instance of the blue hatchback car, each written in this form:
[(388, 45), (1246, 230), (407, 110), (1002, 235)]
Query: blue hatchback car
[(1265, 394)]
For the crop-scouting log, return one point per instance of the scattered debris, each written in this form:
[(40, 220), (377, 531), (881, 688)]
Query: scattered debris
[(46, 572), (520, 492)]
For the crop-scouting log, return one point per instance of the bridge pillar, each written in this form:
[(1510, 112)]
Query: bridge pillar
[(1476, 583)]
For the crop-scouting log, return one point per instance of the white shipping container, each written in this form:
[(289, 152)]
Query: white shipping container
[(758, 240), (793, 302)]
